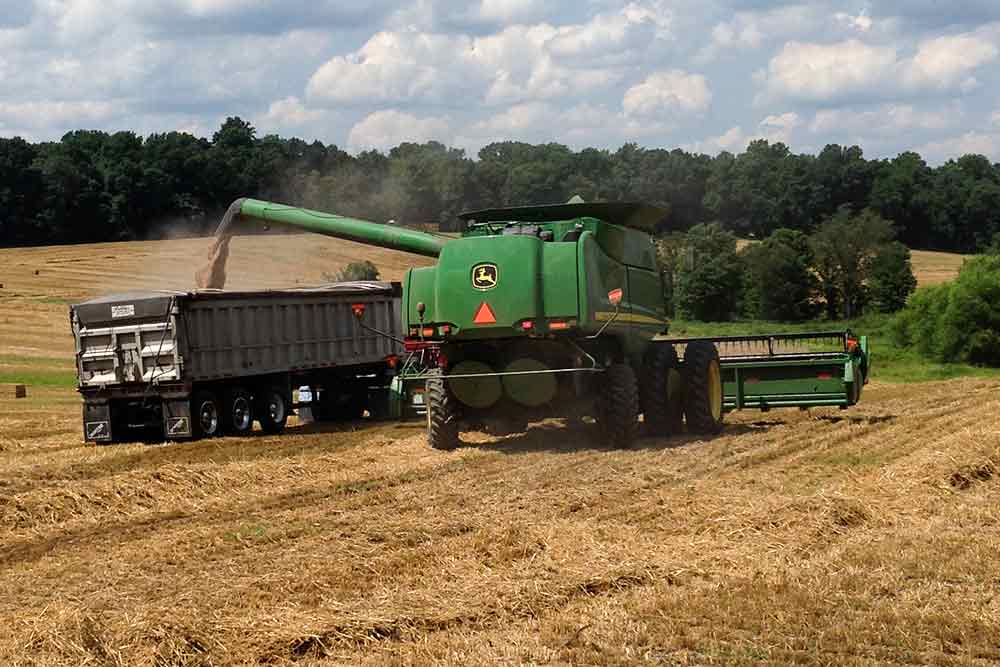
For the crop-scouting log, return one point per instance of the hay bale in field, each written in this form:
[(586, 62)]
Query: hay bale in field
[(20, 391)]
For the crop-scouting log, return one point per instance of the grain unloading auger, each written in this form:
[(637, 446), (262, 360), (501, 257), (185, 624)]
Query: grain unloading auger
[(558, 311)]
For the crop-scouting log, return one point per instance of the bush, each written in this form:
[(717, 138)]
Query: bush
[(959, 322), (354, 271), (709, 275), (890, 277)]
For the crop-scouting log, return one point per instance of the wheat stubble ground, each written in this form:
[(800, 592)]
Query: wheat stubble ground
[(862, 537)]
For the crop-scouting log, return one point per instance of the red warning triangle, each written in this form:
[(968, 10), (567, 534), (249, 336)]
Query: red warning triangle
[(484, 315)]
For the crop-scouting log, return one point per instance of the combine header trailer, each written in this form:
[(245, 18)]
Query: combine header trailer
[(555, 311)]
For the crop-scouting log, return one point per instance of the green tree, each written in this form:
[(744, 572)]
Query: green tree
[(354, 271), (957, 322), (709, 274), (844, 247), (890, 277), (780, 280)]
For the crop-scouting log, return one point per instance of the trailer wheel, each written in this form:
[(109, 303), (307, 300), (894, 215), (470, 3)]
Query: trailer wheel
[(238, 416), (661, 393), (206, 415), (442, 416), (703, 388), (619, 409), (272, 410)]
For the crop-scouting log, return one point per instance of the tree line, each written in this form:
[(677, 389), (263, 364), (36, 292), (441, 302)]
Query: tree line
[(850, 264), (98, 186)]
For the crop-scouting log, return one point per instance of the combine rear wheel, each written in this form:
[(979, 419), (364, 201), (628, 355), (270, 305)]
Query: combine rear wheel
[(442, 416), (660, 393), (702, 388), (618, 416)]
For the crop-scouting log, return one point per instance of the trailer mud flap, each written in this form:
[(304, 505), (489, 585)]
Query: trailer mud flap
[(97, 421), (177, 419)]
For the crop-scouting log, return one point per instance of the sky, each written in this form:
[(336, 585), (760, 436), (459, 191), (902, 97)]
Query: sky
[(705, 75)]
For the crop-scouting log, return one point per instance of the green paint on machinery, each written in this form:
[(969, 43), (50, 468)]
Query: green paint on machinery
[(558, 310)]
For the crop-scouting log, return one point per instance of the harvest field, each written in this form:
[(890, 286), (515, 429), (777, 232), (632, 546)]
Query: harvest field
[(869, 536)]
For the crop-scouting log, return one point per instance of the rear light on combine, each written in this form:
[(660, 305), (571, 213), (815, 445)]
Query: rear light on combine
[(527, 325), (392, 361), (824, 376), (445, 329), (429, 332), (559, 325)]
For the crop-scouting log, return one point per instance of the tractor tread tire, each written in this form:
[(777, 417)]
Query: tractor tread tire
[(698, 357), (442, 416), (660, 415), (620, 406)]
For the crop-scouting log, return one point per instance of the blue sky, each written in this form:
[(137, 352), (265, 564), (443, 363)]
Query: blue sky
[(889, 75)]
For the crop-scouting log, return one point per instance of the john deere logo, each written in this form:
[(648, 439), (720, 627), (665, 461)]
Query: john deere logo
[(485, 276)]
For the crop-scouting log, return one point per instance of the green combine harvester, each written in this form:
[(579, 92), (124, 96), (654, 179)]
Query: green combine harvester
[(558, 311)]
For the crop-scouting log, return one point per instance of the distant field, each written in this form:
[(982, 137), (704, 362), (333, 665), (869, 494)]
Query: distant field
[(932, 268), (823, 537)]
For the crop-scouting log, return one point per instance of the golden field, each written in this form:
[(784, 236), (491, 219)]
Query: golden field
[(864, 537)]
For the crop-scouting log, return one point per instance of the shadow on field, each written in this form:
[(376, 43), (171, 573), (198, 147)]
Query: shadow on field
[(313, 438), (558, 438)]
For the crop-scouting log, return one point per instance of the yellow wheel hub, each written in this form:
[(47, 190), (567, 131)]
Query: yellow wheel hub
[(715, 390)]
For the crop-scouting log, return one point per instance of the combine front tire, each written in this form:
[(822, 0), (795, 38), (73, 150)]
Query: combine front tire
[(703, 388), (660, 393), (442, 416), (618, 416)]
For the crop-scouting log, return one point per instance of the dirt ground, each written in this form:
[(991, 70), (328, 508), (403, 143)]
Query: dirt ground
[(870, 536)]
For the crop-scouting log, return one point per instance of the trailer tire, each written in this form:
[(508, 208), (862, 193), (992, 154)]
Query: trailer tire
[(703, 398), (206, 415), (442, 416), (619, 411), (237, 418), (660, 393), (272, 410)]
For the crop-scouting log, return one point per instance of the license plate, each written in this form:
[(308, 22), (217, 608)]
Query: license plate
[(418, 399)]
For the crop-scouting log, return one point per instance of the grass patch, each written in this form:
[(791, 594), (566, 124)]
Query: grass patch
[(889, 362), (39, 378)]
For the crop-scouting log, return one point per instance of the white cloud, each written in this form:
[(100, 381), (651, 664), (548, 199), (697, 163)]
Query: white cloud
[(670, 91), (780, 127), (888, 118), (862, 22), (818, 72), (387, 128), (290, 112), (944, 61), (970, 142), (612, 32), (39, 115), (732, 140), (749, 30), (826, 72), (507, 10), (392, 66)]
